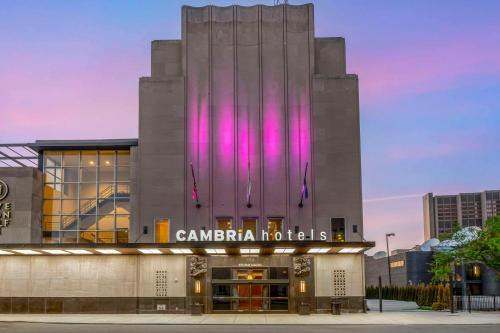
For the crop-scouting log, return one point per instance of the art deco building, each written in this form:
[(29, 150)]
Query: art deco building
[(241, 194)]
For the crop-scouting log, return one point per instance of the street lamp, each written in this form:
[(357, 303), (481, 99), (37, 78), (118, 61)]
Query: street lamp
[(388, 255)]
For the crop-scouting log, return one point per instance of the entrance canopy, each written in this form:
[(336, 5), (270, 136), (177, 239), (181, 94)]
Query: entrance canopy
[(198, 248)]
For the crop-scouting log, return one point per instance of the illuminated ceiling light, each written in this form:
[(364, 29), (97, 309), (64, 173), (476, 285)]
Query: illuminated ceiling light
[(55, 251), (79, 251), (215, 251), (181, 251), (150, 251), (26, 251), (2, 252), (108, 251), (91, 162), (249, 251), (319, 250), (284, 250), (108, 162), (351, 250)]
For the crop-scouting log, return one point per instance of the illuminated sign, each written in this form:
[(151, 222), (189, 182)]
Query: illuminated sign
[(396, 264), (240, 236), (5, 207), (4, 190)]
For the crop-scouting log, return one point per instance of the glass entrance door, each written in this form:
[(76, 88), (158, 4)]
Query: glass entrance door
[(250, 290)]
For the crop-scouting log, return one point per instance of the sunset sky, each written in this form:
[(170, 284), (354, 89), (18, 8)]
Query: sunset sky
[(429, 74)]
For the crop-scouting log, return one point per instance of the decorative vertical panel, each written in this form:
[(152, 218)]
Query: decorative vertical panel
[(161, 283), (274, 125), (223, 111), (248, 105), (339, 282), (196, 43), (299, 39)]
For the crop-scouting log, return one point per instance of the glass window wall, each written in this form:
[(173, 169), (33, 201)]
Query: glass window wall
[(86, 196)]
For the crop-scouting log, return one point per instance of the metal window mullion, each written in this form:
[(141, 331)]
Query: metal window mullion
[(115, 189), (78, 182), (98, 161), (60, 196)]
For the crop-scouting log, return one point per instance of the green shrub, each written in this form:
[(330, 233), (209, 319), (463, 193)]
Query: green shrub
[(438, 306)]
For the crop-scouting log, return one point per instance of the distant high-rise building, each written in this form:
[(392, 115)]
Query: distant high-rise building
[(442, 212)]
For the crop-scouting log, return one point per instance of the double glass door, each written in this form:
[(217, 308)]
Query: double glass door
[(253, 290)]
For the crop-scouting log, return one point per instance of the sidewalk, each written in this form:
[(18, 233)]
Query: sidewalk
[(371, 318)]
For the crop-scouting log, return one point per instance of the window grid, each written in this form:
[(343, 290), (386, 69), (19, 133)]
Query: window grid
[(64, 225)]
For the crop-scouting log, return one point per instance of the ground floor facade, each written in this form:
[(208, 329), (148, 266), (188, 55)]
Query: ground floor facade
[(181, 283)]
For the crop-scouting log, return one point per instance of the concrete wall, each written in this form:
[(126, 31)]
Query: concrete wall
[(248, 72), (416, 269), (337, 155), (160, 156), (249, 90), (323, 272), (89, 276), (25, 195)]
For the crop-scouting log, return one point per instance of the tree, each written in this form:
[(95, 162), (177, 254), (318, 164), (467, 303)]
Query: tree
[(448, 235), (485, 248)]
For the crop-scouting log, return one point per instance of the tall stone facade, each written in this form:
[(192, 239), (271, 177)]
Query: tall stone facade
[(249, 93)]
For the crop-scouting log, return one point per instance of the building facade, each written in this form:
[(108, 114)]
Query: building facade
[(242, 192), (412, 267), (407, 268), (443, 212)]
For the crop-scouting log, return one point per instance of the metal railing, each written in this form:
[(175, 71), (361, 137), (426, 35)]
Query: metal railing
[(91, 204), (476, 303)]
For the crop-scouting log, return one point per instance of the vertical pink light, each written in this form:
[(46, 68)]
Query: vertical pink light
[(295, 133), (203, 129), (272, 130), (226, 135), (305, 130), (243, 140)]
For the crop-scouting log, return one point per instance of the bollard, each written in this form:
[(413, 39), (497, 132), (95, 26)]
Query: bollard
[(469, 301), (380, 293)]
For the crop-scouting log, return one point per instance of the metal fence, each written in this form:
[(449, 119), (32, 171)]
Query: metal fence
[(476, 303)]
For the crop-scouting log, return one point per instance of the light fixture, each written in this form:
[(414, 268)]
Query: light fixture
[(55, 251), (197, 286), (26, 251), (284, 250), (2, 252), (108, 251), (249, 251), (91, 162), (150, 251), (351, 250), (79, 251), (302, 286), (181, 251), (319, 250), (108, 162), (215, 251)]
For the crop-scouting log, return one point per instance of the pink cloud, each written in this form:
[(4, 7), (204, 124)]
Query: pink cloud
[(403, 217), (68, 99), (424, 68)]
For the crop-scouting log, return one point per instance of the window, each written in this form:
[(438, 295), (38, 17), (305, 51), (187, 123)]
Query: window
[(86, 196), (338, 229), (224, 223), (396, 264), (274, 226), (162, 231), (250, 224)]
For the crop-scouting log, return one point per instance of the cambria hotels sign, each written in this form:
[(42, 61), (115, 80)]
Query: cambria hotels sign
[(241, 236), (5, 207)]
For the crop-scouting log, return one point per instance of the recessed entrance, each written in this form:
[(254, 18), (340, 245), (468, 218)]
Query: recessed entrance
[(250, 290)]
